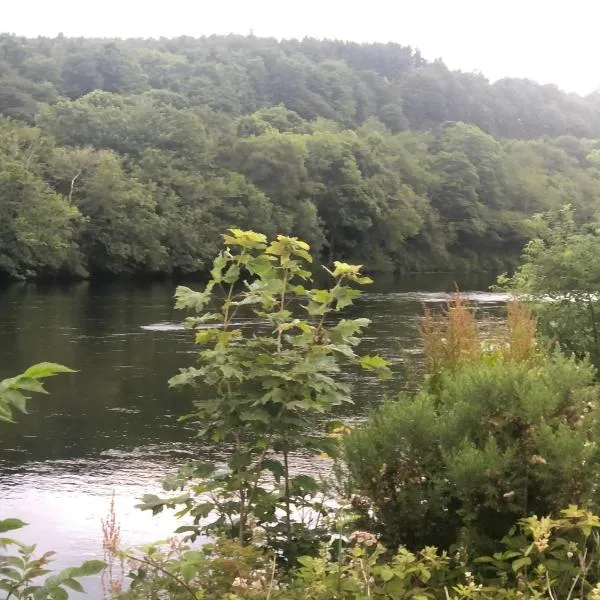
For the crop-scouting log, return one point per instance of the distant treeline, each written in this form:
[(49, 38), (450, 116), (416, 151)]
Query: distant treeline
[(131, 156)]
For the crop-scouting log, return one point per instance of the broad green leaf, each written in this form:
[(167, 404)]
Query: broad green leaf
[(11, 524), (89, 567), (275, 466), (29, 385), (232, 274), (521, 562), (58, 593), (45, 369), (73, 584), (186, 298)]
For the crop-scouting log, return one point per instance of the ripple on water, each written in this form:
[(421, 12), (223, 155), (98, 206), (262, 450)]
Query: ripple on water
[(436, 297)]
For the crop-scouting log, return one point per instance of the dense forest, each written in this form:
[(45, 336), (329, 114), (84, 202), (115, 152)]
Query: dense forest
[(131, 156)]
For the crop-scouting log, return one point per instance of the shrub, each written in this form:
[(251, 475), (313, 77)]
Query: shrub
[(559, 277), (484, 443), (263, 393), (543, 558)]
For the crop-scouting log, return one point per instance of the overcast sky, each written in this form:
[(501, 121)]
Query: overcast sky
[(551, 41)]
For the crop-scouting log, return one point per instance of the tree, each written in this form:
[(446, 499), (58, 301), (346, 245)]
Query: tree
[(38, 227), (123, 231), (265, 391), (560, 279)]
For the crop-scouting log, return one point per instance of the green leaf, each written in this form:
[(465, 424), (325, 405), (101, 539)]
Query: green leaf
[(232, 274), (255, 415), (29, 385), (186, 298), (373, 362), (45, 369), (151, 502), (521, 562), (219, 264), (188, 570), (15, 399), (10, 524), (58, 593), (89, 567), (275, 466), (73, 584)]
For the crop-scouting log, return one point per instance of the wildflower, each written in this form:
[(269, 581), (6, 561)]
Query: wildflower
[(536, 459), (363, 538), (240, 582), (542, 543)]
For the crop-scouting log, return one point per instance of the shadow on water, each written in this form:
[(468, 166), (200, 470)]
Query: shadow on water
[(112, 426)]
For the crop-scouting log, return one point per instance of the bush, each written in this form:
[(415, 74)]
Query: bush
[(485, 443), (264, 392), (561, 280)]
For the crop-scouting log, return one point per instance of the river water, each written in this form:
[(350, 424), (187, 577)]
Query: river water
[(111, 428)]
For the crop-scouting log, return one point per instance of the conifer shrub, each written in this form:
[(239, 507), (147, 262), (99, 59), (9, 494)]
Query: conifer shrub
[(494, 435)]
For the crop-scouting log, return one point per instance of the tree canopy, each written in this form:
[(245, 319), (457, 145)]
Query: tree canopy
[(129, 156)]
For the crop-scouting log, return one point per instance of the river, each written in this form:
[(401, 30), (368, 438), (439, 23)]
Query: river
[(111, 428)]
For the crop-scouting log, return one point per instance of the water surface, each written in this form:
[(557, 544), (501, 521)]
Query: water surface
[(111, 428)]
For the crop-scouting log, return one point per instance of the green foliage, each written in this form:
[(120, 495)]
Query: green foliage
[(561, 281), (13, 391), (542, 558), (20, 572), (212, 572), (146, 149), (497, 437), (262, 394)]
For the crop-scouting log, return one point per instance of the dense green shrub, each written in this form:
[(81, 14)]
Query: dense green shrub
[(479, 447), (560, 278)]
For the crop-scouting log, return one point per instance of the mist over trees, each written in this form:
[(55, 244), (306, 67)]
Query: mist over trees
[(131, 156)]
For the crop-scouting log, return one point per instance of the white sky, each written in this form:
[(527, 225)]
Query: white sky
[(551, 41)]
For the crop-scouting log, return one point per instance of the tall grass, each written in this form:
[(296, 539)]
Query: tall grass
[(453, 338)]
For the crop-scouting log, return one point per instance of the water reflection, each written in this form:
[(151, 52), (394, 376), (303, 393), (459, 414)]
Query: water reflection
[(112, 426)]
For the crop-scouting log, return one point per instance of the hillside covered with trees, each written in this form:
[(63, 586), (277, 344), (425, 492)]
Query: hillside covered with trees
[(131, 156)]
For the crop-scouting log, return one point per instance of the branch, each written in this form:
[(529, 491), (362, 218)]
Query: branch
[(180, 581), (73, 186)]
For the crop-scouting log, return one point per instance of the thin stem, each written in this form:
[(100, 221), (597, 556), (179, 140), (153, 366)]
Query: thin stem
[(243, 514), (288, 512), (594, 328), (572, 587), (320, 513), (550, 593), (339, 560), (364, 574), (261, 460), (328, 308), (13, 589), (226, 318), (259, 470), (180, 581), (72, 188), (272, 582), (286, 275), (584, 568)]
